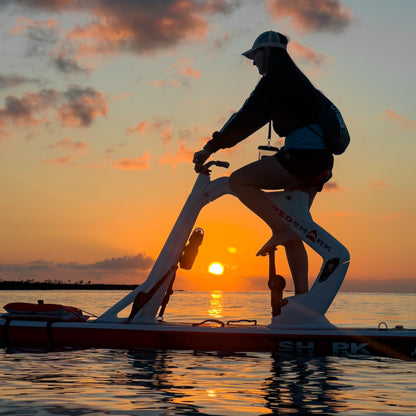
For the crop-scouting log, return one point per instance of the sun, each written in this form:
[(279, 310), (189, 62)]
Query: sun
[(216, 268)]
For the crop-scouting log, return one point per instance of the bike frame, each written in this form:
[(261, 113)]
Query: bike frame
[(302, 311)]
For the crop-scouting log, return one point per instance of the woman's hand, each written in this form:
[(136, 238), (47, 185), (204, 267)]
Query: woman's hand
[(200, 158)]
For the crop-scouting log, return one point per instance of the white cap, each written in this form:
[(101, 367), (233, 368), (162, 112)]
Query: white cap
[(268, 39)]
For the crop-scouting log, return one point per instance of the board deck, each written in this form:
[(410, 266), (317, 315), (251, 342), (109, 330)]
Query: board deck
[(210, 336)]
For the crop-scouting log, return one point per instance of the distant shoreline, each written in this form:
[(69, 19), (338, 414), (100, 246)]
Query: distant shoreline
[(22, 285)]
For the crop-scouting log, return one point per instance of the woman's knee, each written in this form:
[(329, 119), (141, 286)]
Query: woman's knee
[(236, 180)]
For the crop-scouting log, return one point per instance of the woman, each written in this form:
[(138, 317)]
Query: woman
[(286, 97)]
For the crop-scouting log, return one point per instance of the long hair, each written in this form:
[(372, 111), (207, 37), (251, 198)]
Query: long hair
[(282, 65)]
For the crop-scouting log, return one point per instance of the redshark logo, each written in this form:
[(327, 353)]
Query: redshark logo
[(312, 235)]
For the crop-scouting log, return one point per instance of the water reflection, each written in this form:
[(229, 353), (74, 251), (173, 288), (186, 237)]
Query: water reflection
[(154, 371), (203, 383), (215, 304), (109, 382), (307, 384), (171, 383)]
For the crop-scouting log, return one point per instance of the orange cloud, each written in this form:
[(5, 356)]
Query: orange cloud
[(136, 26), (82, 107), (182, 72), (403, 122), (183, 66), (183, 155), (76, 107), (64, 160), (307, 54), (166, 134), (139, 163), (68, 144), (312, 15), (4, 134), (97, 38), (21, 111), (22, 23), (140, 27), (379, 184), (332, 187), (158, 83), (141, 128), (161, 125)]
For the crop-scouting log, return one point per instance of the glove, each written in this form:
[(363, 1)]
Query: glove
[(200, 157)]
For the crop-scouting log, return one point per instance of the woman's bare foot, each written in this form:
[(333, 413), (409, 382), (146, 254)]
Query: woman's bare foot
[(276, 240)]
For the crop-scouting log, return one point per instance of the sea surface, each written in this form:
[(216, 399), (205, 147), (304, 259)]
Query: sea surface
[(118, 382)]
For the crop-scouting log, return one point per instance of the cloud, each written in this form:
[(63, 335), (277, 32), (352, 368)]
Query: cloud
[(191, 132), (65, 144), (160, 83), (23, 23), (139, 163), (180, 74), (68, 65), (63, 160), (332, 187), (82, 107), (41, 34), (4, 134), (312, 15), (101, 270), (38, 265), (21, 111), (141, 128), (307, 54), (68, 144), (144, 27), (141, 27), (221, 41), (75, 107), (166, 134), (139, 261), (161, 125), (183, 155), (403, 122), (116, 147), (379, 184), (14, 80), (184, 68)]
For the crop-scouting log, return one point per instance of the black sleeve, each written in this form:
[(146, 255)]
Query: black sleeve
[(254, 114)]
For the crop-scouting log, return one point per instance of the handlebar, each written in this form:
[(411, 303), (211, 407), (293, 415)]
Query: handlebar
[(219, 163), (204, 169)]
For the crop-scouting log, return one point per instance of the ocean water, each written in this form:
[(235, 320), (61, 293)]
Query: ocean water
[(120, 382)]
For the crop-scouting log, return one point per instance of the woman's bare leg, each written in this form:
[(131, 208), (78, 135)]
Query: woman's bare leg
[(246, 184), (297, 259)]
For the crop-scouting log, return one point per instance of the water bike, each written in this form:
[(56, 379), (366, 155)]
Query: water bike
[(298, 324)]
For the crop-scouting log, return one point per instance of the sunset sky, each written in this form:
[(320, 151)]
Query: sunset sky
[(103, 103)]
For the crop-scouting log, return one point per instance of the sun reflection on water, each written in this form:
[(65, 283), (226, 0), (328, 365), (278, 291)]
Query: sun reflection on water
[(215, 304), (211, 393)]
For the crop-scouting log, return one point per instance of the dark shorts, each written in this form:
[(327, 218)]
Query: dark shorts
[(306, 164)]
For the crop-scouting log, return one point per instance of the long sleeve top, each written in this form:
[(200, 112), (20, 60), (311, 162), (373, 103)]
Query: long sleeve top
[(285, 99)]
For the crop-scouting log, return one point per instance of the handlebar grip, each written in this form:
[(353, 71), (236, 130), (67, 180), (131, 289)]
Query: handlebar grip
[(216, 163), (222, 164)]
